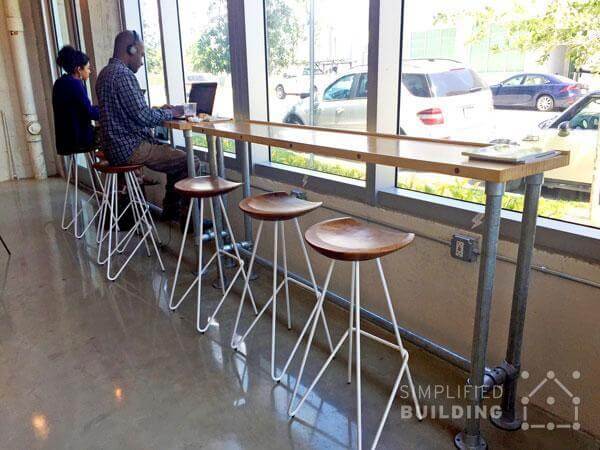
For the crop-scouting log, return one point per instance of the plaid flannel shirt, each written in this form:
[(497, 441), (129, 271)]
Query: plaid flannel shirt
[(125, 117)]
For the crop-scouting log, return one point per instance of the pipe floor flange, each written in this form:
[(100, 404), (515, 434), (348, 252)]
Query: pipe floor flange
[(465, 442), (507, 423)]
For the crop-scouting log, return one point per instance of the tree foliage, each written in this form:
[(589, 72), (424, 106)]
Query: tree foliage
[(541, 26), (283, 33), (153, 57), (210, 53)]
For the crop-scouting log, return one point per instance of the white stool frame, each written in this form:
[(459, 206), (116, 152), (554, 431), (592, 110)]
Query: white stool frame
[(143, 226), (354, 328), (201, 270), (73, 171), (236, 341)]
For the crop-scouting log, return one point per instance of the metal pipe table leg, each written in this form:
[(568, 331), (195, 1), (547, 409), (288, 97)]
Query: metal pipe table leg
[(512, 365), (470, 438), (213, 165), (244, 155), (189, 149)]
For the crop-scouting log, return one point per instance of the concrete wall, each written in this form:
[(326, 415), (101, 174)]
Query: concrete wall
[(434, 296), (9, 101), (101, 23)]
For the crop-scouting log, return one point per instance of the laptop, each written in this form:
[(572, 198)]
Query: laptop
[(203, 95)]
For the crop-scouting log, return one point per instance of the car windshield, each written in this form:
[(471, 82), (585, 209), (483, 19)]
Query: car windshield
[(455, 82)]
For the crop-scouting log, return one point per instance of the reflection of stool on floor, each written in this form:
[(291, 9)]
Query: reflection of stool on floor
[(346, 239), (143, 225), (277, 207), (200, 188), (98, 189)]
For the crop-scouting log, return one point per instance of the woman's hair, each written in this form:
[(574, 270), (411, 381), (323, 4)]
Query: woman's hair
[(69, 59)]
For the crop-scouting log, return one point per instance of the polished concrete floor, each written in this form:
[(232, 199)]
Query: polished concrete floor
[(91, 364)]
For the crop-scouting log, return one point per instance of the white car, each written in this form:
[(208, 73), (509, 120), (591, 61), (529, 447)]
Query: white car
[(298, 83), (440, 99), (576, 130)]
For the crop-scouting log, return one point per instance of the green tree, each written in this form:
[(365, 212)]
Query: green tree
[(574, 24), (152, 46), (210, 53)]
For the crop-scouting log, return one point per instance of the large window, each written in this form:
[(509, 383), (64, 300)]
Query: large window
[(205, 49), (477, 86), (334, 58), (464, 74), (157, 94)]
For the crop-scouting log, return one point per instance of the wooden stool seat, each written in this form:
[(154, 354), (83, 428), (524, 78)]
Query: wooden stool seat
[(206, 186), (105, 167), (277, 206), (347, 239)]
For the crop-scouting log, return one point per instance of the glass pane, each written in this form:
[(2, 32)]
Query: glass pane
[(339, 54), (205, 48), (61, 23), (153, 60), (475, 86)]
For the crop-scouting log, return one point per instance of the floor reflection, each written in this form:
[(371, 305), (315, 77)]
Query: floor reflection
[(97, 364)]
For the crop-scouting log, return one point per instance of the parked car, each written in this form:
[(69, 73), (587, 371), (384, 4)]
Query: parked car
[(536, 90), (298, 83), (439, 99), (576, 130)]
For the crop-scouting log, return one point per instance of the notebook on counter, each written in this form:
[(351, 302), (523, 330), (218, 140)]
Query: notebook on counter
[(509, 153)]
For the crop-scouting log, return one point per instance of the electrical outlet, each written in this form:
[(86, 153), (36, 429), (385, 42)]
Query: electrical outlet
[(463, 248), (459, 251)]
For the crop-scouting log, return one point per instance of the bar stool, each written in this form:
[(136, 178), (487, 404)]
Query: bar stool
[(201, 188), (277, 207), (143, 226), (76, 211), (347, 239)]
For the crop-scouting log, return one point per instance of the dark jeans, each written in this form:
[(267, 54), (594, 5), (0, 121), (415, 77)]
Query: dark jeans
[(163, 158)]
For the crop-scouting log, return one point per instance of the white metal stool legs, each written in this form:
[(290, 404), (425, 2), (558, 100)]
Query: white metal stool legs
[(202, 269), (272, 301), (142, 226), (354, 329), (77, 211)]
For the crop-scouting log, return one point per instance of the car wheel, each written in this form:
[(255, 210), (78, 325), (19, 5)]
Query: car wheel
[(544, 103), (280, 92)]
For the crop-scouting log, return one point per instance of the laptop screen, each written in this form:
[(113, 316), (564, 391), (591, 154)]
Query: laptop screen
[(203, 94)]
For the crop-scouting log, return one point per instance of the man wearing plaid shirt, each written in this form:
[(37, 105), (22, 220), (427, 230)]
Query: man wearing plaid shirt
[(126, 120)]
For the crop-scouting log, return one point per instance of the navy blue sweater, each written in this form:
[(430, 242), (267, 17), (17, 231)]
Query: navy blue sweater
[(73, 115)]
